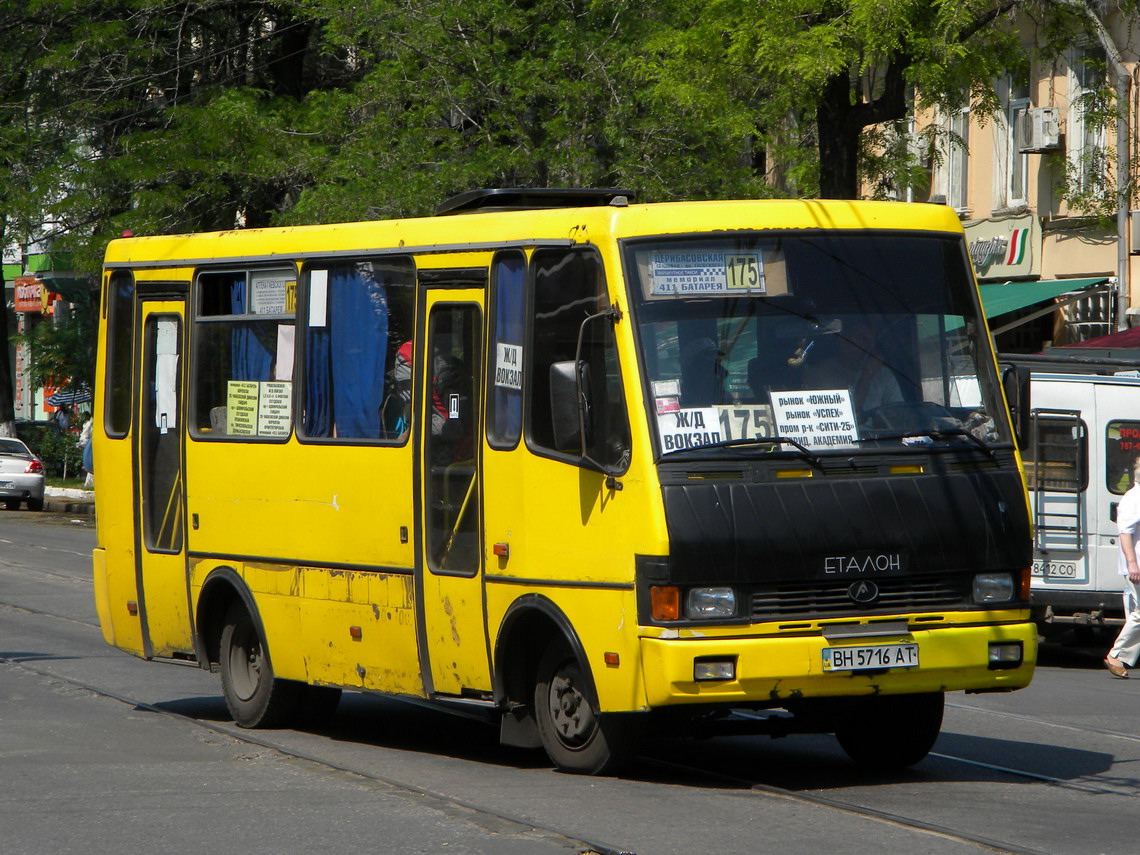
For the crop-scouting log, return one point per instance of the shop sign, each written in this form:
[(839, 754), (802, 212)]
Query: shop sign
[(1006, 248), (32, 297), (29, 294)]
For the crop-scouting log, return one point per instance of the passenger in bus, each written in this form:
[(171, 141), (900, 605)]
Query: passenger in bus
[(396, 411), (1126, 649)]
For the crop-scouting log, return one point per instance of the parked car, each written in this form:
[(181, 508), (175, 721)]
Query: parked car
[(21, 475), (53, 445)]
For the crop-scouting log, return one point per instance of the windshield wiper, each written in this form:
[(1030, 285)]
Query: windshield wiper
[(756, 440), (935, 434)]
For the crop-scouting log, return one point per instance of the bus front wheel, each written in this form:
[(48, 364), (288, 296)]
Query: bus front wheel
[(575, 737), (254, 697), (891, 732)]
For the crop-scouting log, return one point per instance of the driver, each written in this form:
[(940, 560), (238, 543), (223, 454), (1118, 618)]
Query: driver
[(852, 359)]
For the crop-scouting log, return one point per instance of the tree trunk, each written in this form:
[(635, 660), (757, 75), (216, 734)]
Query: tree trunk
[(838, 143), (7, 393)]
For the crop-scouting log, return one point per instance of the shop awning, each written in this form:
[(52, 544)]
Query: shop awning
[(1005, 297)]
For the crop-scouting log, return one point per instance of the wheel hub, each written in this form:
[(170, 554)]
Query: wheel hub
[(571, 714)]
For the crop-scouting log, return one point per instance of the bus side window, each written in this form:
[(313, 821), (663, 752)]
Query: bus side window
[(569, 287), (120, 303), (508, 358), (357, 332), (243, 346)]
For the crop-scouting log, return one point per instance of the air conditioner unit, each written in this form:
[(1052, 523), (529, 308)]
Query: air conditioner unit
[(1038, 129)]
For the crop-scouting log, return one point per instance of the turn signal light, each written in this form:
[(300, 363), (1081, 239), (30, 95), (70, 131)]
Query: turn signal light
[(665, 602), (34, 466)]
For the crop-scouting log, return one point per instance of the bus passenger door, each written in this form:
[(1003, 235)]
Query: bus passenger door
[(449, 565), (160, 513)]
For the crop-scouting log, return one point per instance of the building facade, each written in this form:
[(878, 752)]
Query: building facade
[(1037, 188)]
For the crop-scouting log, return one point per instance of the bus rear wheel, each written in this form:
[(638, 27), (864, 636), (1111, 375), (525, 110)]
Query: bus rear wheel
[(254, 696), (575, 737), (891, 732)]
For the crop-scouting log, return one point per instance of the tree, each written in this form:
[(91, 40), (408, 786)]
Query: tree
[(29, 144), (825, 72), (506, 93)]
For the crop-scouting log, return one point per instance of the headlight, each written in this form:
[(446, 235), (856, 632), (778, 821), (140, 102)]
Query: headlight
[(993, 588), (710, 603)]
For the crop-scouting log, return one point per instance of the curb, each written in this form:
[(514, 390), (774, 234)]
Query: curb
[(76, 502)]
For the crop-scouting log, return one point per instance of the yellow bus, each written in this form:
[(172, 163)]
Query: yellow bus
[(583, 466)]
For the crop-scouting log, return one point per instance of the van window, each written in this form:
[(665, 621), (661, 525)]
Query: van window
[(1056, 456), (1121, 448)]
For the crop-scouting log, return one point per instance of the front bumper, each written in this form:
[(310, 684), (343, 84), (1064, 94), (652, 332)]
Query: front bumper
[(773, 670)]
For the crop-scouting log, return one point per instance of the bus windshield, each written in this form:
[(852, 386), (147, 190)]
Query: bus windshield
[(836, 341)]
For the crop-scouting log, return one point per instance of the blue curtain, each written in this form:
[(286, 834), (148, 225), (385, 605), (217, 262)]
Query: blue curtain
[(250, 357), (318, 383), (345, 360)]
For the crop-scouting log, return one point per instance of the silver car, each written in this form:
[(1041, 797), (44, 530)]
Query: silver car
[(21, 475)]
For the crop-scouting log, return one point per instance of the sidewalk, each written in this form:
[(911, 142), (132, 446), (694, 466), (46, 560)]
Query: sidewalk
[(64, 501)]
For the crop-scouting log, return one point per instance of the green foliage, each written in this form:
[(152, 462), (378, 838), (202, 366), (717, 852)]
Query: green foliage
[(60, 452), (163, 117), (1087, 179), (63, 355)]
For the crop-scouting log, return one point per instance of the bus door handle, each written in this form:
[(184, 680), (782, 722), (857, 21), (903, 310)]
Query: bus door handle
[(1112, 510)]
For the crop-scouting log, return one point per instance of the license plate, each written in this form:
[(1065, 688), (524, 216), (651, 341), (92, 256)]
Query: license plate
[(873, 657), (7, 484)]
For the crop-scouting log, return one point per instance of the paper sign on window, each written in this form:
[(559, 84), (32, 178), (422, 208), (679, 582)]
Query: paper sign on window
[(688, 428), (166, 376), (822, 418), (241, 407), (268, 291), (318, 297), (508, 365), (273, 409), (698, 272)]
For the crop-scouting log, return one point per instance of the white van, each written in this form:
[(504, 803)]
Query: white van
[(1083, 434)]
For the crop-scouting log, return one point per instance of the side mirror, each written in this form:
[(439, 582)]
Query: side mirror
[(1015, 384), (567, 412)]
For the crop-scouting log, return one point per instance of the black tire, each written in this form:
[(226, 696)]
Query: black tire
[(35, 504), (12, 504), (574, 736), (891, 732), (254, 697)]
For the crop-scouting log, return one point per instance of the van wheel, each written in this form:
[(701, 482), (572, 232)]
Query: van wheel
[(255, 697), (891, 732), (575, 737)]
